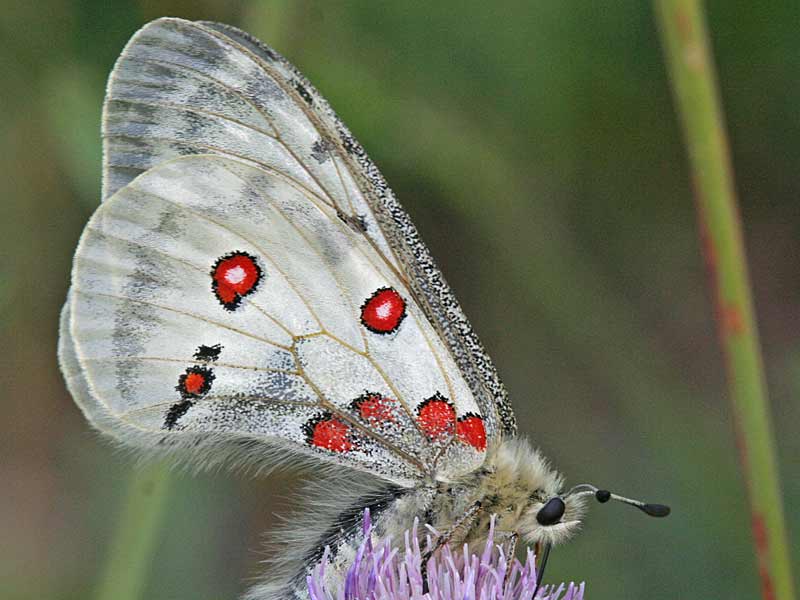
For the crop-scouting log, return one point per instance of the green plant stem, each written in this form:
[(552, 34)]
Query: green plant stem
[(134, 543), (688, 56)]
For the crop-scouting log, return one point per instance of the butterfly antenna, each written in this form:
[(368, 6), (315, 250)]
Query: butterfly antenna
[(603, 496)]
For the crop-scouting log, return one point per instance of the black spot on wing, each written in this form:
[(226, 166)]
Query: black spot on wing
[(357, 223), (208, 353), (301, 89), (175, 412), (320, 150), (195, 382), (350, 145)]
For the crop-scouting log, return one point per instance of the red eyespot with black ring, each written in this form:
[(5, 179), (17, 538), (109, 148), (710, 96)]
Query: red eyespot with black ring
[(328, 432), (233, 277), (470, 430), (375, 408), (383, 311), (195, 382), (436, 416)]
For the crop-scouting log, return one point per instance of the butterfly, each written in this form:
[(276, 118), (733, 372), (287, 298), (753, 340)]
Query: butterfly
[(250, 293)]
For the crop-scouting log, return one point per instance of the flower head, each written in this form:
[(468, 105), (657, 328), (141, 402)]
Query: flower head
[(382, 572)]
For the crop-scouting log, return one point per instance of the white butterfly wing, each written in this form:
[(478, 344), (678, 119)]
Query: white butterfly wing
[(316, 357), (289, 360), (210, 64)]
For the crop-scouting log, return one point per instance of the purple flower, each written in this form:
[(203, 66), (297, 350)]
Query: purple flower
[(381, 572)]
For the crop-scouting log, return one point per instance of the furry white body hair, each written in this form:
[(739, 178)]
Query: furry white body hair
[(514, 484)]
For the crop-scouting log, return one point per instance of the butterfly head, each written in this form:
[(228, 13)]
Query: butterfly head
[(548, 513), (552, 518), (558, 518), (532, 491)]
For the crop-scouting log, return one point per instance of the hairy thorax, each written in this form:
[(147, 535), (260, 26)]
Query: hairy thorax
[(512, 486)]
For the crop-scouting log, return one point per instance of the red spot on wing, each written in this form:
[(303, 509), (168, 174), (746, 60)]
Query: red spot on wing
[(383, 311), (436, 416), (470, 430), (234, 276), (374, 408), (328, 432), (195, 382)]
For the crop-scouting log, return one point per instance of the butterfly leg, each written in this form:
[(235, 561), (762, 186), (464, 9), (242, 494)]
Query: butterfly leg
[(510, 543), (509, 548), (464, 522)]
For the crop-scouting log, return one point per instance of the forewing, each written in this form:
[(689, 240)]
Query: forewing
[(183, 88)]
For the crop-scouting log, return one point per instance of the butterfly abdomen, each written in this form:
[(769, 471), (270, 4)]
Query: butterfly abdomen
[(347, 525), (332, 516)]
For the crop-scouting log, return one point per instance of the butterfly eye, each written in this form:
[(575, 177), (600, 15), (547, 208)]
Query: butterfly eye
[(551, 513)]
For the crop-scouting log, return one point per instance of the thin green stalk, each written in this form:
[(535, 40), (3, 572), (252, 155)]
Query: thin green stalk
[(688, 57), (137, 532)]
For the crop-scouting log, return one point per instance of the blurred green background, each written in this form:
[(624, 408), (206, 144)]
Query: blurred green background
[(536, 147)]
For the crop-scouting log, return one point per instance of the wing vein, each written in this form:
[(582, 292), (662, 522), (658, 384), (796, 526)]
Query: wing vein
[(269, 201), (180, 312), (240, 236), (112, 359), (270, 121), (158, 406), (344, 187), (330, 406), (219, 151), (186, 263), (342, 288)]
